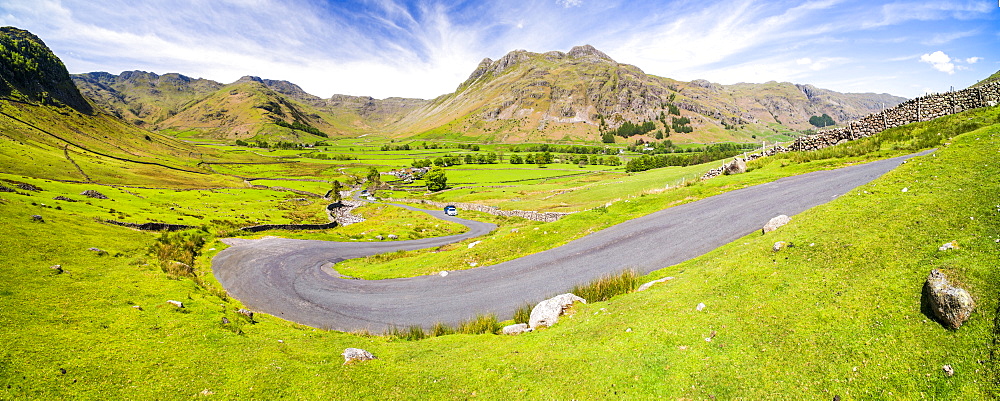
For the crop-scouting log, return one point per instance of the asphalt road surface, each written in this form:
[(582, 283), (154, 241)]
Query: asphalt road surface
[(291, 278)]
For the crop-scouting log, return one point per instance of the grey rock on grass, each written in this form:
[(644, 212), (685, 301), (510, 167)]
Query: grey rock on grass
[(951, 305), (547, 312), (517, 329), (356, 355), (774, 223)]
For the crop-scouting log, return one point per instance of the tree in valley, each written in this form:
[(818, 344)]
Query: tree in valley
[(436, 179)]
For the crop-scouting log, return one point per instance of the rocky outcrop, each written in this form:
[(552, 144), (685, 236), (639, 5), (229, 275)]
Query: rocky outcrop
[(951, 305), (90, 193), (547, 312)]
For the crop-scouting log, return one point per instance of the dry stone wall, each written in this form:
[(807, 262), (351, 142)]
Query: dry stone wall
[(923, 108)]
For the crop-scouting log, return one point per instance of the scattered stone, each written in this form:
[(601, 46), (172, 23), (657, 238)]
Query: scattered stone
[(63, 198), (444, 273), (780, 245), (710, 336), (28, 187), (514, 230), (379, 237), (137, 307), (474, 244), (5, 189), (547, 312), (951, 305), (646, 286), (90, 193), (356, 354), (516, 329), (393, 236), (57, 268), (948, 245), (948, 371), (628, 330), (699, 307), (38, 218), (774, 223), (905, 189), (178, 304), (98, 251), (225, 320), (246, 313), (206, 392), (473, 264)]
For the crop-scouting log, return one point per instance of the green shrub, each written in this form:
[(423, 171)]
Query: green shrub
[(481, 324), (181, 246), (413, 333), (523, 314), (608, 286)]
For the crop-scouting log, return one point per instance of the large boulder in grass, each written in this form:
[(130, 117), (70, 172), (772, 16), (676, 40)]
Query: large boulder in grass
[(356, 355), (737, 166), (774, 223), (547, 312), (951, 305)]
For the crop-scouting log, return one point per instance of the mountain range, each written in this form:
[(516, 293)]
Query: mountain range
[(523, 96)]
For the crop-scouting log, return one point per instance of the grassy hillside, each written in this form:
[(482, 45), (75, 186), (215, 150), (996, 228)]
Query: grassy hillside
[(837, 314), (143, 98)]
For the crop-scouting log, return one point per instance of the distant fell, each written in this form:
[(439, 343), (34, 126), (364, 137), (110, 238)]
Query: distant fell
[(552, 96)]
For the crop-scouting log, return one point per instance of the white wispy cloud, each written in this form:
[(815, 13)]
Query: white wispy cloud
[(569, 3), (943, 38)]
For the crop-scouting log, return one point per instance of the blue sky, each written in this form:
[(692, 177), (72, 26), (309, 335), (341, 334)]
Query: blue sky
[(423, 49)]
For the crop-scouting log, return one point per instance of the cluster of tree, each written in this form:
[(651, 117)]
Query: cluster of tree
[(628, 129), (689, 157), (301, 127), (532, 158), (266, 145), (387, 147), (472, 147), (443, 161), (433, 145), (821, 121), (592, 159), (575, 149), (680, 124)]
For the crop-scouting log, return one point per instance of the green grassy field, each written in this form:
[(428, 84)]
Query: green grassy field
[(837, 314)]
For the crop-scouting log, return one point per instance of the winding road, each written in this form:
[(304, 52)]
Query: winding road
[(291, 278)]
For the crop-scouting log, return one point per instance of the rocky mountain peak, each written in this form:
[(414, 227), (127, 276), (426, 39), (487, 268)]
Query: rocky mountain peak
[(589, 52), (249, 78)]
